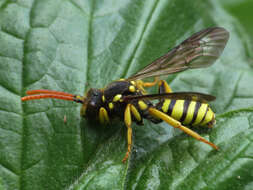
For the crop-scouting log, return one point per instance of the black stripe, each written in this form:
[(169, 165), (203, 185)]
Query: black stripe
[(161, 88), (196, 110), (172, 104), (186, 106), (204, 115)]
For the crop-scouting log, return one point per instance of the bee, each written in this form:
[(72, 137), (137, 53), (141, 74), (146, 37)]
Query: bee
[(128, 100)]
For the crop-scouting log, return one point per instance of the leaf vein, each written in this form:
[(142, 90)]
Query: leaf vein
[(89, 45), (230, 161), (7, 111), (23, 137), (9, 130), (11, 34), (9, 90), (78, 7), (234, 92), (8, 168), (4, 56), (131, 59)]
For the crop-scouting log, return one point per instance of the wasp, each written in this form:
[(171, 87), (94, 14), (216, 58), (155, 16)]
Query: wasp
[(128, 100)]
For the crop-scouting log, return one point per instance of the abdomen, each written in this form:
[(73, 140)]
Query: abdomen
[(188, 112)]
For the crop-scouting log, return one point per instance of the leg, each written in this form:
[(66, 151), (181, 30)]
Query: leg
[(174, 123), (150, 84), (164, 87), (141, 85), (136, 113), (128, 122)]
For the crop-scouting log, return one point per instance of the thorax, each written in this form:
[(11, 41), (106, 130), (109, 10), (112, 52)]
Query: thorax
[(111, 99)]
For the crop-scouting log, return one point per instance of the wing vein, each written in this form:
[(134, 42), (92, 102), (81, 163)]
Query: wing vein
[(200, 50)]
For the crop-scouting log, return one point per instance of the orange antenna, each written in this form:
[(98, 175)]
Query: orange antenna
[(42, 94), (44, 91)]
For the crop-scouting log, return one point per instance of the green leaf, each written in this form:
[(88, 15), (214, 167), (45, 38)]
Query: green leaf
[(242, 11), (72, 45)]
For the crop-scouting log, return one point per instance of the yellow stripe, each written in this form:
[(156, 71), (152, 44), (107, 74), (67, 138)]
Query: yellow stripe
[(166, 105), (208, 118), (190, 112), (178, 109), (201, 114)]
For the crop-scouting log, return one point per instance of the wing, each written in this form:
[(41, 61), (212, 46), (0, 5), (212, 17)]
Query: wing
[(200, 50), (194, 96)]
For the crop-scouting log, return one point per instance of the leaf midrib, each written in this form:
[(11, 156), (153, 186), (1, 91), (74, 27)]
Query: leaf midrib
[(23, 135)]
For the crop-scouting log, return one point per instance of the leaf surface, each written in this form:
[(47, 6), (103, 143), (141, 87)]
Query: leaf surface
[(73, 45)]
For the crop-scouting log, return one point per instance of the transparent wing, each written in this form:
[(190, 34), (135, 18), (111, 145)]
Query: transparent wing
[(200, 50), (194, 96)]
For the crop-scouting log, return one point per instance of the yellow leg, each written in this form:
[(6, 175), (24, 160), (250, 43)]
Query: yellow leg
[(141, 85), (176, 124), (150, 84), (128, 122), (164, 87), (135, 112)]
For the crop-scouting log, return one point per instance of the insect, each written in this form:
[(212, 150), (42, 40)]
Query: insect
[(128, 100)]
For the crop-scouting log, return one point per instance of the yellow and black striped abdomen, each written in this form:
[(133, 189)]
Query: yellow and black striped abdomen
[(188, 112)]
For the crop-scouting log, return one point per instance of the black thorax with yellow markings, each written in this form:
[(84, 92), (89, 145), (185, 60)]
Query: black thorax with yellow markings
[(110, 99)]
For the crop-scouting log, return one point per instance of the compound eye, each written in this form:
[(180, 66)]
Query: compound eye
[(95, 93)]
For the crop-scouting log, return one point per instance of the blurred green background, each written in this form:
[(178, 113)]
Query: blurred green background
[(242, 10)]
